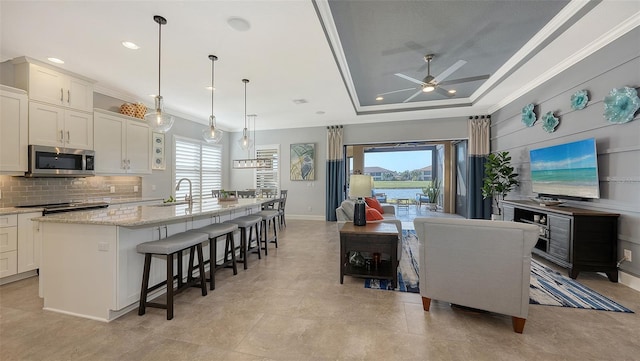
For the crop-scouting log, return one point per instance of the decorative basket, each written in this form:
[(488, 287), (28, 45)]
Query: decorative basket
[(141, 110), (128, 109)]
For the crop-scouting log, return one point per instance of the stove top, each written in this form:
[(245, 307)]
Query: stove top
[(66, 206)]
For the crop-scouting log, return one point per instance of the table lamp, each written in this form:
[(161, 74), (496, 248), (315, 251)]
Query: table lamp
[(360, 187)]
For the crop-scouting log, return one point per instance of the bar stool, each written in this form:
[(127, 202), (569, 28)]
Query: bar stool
[(268, 219), (169, 247), (246, 224), (214, 231)]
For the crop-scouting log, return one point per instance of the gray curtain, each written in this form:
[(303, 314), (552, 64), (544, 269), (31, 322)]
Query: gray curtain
[(335, 171), (479, 148)]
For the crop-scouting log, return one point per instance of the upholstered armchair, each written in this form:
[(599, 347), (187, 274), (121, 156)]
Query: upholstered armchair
[(477, 263)]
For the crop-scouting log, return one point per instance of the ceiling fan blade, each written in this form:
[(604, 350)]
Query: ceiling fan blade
[(409, 78), (398, 91), (444, 92), (464, 80), (413, 96), (449, 71)]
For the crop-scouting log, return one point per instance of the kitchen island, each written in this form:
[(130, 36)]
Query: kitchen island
[(90, 267)]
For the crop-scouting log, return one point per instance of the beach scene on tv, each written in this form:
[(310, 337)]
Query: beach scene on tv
[(569, 169)]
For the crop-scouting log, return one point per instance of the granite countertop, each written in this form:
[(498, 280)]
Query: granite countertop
[(134, 216)]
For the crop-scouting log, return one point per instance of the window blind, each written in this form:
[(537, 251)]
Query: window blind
[(268, 178), (200, 163)]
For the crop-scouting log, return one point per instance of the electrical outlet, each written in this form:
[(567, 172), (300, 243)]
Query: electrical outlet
[(135, 188), (627, 255), (112, 189), (0, 194), (153, 187)]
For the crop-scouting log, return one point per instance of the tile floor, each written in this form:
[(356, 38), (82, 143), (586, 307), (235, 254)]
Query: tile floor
[(291, 306)]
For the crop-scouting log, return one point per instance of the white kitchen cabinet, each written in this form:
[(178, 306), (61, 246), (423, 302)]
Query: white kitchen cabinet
[(29, 246), (122, 144), (58, 127), (20, 246), (14, 129), (47, 84), (8, 245)]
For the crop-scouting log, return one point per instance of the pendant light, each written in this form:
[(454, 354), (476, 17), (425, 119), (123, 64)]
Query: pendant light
[(245, 142), (158, 120), (212, 134)]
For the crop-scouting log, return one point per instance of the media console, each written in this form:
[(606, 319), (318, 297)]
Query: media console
[(574, 238)]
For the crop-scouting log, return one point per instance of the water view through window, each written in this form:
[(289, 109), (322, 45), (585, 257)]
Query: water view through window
[(399, 174)]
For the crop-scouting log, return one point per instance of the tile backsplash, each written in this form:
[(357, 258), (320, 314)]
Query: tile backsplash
[(21, 190)]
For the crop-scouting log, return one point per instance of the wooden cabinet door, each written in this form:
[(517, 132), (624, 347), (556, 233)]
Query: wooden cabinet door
[(8, 264), (46, 124), (109, 143), (79, 94), (14, 128), (47, 85), (560, 237), (138, 146), (28, 245), (78, 129)]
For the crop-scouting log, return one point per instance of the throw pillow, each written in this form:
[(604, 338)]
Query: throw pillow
[(373, 215), (373, 203), (348, 205)]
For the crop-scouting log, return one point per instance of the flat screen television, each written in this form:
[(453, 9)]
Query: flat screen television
[(568, 170)]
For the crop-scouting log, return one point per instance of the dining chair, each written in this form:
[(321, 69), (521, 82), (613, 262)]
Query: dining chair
[(281, 207)]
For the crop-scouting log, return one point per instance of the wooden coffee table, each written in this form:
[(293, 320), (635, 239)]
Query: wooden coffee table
[(369, 239)]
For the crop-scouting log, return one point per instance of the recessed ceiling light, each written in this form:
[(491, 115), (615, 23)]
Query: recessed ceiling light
[(130, 45), (379, 97), (152, 95), (452, 91), (56, 60), (320, 112), (300, 101), (238, 24)]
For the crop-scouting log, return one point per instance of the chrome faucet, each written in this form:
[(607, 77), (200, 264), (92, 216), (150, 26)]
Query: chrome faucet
[(189, 197)]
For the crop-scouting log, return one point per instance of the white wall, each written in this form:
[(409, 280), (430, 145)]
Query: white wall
[(614, 66)]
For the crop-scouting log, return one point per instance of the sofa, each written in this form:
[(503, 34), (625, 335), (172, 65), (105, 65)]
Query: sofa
[(476, 263), (344, 213)]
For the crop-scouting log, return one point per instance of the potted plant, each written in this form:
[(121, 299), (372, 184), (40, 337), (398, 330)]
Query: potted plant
[(499, 179), (433, 193)]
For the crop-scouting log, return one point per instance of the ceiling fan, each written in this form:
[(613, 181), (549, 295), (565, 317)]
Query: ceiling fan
[(431, 83)]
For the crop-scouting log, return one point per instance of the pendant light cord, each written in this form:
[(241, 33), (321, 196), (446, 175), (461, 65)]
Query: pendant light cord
[(159, 53), (245, 117), (213, 61)]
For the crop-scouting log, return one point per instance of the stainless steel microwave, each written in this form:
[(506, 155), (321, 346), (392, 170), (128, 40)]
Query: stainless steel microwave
[(60, 162)]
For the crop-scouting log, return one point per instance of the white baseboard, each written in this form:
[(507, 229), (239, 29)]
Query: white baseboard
[(629, 280), (305, 217)]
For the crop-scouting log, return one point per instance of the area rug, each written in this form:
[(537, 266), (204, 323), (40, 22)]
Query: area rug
[(547, 287)]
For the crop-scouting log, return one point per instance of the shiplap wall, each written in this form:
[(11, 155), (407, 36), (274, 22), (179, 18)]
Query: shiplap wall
[(618, 145)]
